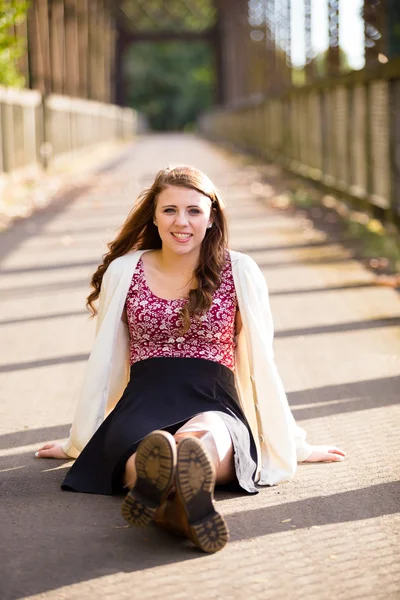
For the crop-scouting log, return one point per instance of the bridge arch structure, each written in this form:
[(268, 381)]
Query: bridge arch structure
[(76, 47)]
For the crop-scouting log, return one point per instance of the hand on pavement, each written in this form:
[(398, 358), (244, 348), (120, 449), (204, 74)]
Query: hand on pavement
[(53, 450), (325, 454)]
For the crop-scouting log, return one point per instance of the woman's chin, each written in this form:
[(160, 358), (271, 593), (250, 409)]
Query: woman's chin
[(184, 250), (179, 248)]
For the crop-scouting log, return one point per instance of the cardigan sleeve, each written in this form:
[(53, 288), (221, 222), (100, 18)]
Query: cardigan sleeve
[(106, 292), (303, 448), (104, 297)]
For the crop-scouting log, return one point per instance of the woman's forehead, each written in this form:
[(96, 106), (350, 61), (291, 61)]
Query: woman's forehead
[(181, 196)]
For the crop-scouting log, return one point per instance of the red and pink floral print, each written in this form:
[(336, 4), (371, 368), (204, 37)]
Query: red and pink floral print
[(155, 325)]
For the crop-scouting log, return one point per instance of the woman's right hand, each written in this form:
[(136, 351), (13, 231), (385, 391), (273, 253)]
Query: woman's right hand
[(52, 450)]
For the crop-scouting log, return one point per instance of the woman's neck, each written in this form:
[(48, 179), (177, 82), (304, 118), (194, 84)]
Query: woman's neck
[(172, 263)]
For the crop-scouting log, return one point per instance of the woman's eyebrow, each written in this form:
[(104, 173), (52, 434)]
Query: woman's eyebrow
[(175, 206)]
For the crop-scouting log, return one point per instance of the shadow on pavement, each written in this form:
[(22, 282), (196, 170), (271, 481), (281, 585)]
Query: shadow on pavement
[(45, 362), (355, 505), (63, 315), (20, 230), (98, 229), (52, 538), (332, 288), (340, 327), (345, 397), (299, 246), (24, 291), (51, 267), (326, 260), (117, 162), (31, 436)]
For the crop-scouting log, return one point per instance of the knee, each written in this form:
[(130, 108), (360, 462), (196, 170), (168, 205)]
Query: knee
[(181, 435)]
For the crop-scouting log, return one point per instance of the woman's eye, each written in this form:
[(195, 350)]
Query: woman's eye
[(192, 211)]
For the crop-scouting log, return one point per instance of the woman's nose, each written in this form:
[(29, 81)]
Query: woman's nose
[(181, 218)]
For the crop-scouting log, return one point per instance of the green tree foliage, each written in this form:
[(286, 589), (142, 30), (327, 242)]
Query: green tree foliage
[(12, 13), (170, 82)]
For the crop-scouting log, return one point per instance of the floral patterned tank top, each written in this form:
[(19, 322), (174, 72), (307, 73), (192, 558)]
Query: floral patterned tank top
[(155, 325)]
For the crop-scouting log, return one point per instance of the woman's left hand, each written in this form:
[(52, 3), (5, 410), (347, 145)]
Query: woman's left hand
[(325, 454)]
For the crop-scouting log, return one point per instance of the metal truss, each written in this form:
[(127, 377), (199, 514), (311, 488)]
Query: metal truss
[(156, 16)]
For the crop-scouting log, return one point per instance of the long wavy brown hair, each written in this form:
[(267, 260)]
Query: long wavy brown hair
[(139, 233)]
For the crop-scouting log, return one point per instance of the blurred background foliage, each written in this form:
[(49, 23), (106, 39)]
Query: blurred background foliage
[(12, 46), (170, 83), (320, 62), (170, 15)]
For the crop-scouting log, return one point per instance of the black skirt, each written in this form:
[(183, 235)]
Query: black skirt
[(163, 393)]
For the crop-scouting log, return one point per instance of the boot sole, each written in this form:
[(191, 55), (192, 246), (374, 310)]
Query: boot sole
[(195, 483), (155, 467)]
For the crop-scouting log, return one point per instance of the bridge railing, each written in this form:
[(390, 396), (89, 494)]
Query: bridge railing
[(35, 129), (342, 133)]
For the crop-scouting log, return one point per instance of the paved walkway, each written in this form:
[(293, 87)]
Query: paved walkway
[(330, 533)]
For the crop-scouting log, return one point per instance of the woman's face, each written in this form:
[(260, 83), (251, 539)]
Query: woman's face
[(182, 216)]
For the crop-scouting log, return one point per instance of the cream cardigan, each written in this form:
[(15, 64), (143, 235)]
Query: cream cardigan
[(280, 443)]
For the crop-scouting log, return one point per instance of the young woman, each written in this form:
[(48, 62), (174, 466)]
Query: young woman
[(181, 391)]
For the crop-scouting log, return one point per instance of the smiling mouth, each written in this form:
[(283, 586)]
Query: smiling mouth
[(181, 236)]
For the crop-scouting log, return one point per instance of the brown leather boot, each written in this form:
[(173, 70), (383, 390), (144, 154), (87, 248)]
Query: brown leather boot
[(155, 467), (190, 511), (171, 516)]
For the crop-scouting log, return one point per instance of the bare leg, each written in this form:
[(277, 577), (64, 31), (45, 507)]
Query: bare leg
[(210, 428), (175, 488), (212, 431), (205, 457)]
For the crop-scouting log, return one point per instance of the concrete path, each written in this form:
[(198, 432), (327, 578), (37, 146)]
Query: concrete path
[(330, 533)]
